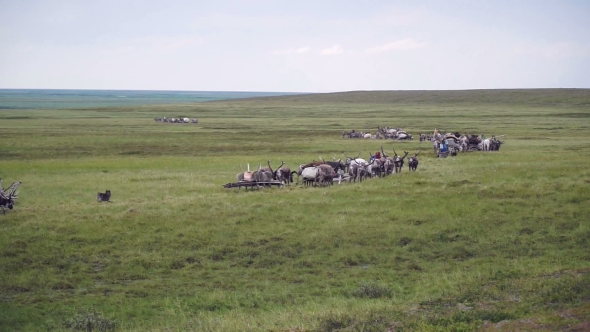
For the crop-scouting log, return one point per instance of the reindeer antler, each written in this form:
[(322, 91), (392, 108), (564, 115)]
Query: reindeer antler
[(416, 155), (394, 151), (358, 155)]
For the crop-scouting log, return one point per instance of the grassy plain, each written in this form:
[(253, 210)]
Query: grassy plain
[(490, 241)]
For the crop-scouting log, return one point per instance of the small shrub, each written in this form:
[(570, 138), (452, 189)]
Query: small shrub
[(470, 318), (335, 323), (372, 291), (177, 265), (373, 322), (90, 321), (461, 253), (568, 290), (525, 231), (437, 303), (404, 241), (193, 260)]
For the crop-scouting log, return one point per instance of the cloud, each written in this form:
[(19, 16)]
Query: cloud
[(336, 49), (400, 45), (300, 50)]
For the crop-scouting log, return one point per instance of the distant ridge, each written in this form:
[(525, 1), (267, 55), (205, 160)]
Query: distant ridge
[(577, 97)]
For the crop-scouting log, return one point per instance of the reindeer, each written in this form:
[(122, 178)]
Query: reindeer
[(353, 161), (377, 167), (301, 169), (363, 171), (283, 174), (262, 175), (309, 175), (399, 161), (387, 165), (368, 168), (495, 143), (337, 165), (353, 172), (413, 162), (325, 175), (355, 134), (359, 169), (8, 195), (463, 142)]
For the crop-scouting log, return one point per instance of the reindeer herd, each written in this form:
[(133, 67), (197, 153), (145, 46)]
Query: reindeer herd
[(382, 133), (176, 120), (452, 143), (325, 173)]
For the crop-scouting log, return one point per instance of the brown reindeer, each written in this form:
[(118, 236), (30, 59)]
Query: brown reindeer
[(283, 174), (325, 175)]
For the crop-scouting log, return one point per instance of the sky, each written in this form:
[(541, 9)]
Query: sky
[(294, 46)]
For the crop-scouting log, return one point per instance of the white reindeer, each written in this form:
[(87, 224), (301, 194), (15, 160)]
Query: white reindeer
[(486, 144)]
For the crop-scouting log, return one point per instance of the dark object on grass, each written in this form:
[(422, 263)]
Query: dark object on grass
[(413, 162), (495, 144), (8, 195), (104, 197), (398, 161)]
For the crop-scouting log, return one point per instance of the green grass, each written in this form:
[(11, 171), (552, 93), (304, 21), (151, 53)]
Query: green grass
[(481, 241)]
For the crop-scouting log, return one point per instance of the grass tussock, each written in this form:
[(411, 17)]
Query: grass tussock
[(90, 321), (372, 290)]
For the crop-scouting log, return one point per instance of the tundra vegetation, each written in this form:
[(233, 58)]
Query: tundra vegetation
[(486, 240)]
